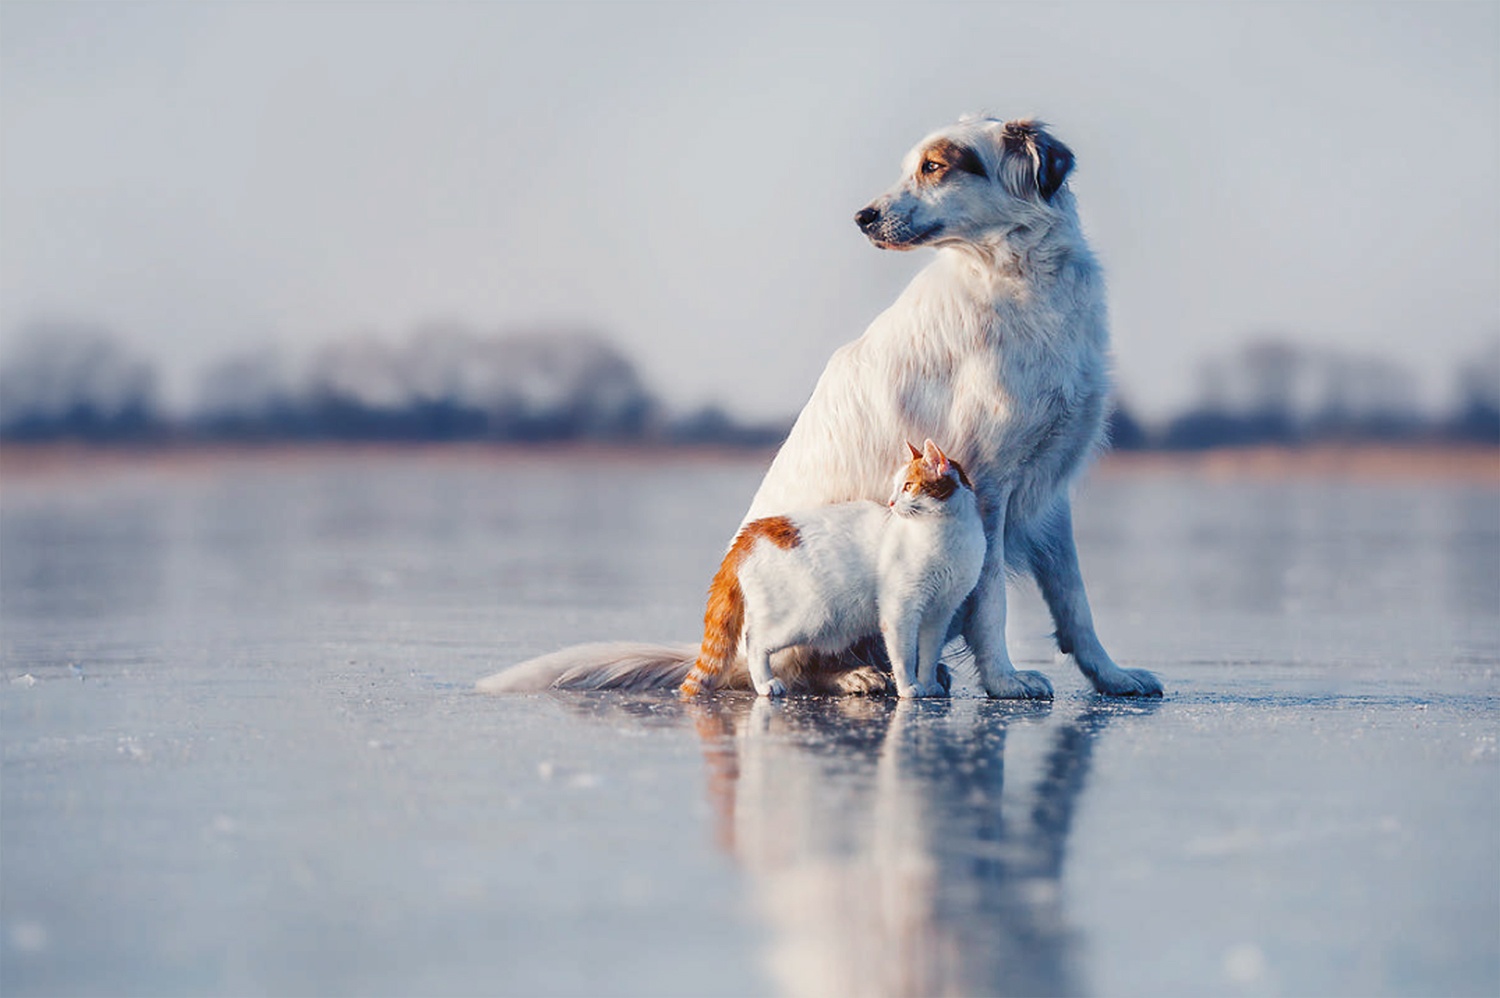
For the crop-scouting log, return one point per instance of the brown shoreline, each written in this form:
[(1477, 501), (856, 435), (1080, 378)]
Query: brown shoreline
[(1371, 463), (33, 462)]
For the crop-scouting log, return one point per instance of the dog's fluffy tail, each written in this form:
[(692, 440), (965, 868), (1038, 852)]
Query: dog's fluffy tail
[(607, 665)]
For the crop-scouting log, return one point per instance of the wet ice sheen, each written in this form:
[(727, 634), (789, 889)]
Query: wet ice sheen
[(250, 762)]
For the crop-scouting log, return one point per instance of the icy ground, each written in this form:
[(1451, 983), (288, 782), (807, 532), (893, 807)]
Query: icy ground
[(241, 754)]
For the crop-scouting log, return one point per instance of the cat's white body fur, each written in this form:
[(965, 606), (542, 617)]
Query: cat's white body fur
[(900, 569), (999, 348)]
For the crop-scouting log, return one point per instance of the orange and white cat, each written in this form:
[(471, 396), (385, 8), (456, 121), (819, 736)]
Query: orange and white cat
[(825, 578)]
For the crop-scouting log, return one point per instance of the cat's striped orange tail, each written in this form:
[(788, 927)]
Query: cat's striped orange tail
[(724, 619)]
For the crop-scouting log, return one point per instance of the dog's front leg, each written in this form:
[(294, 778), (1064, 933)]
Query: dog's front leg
[(984, 631), (1054, 564)]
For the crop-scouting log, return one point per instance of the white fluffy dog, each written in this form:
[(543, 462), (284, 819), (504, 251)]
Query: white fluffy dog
[(998, 349)]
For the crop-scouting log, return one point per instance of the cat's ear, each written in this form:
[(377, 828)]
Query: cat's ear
[(934, 456), (916, 455)]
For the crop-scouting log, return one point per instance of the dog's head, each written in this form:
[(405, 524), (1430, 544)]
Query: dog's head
[(972, 183)]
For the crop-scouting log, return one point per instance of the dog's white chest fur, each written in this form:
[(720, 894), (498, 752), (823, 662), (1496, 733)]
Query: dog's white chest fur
[(1012, 369)]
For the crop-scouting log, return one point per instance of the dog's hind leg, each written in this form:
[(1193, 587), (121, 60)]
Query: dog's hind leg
[(1050, 553)]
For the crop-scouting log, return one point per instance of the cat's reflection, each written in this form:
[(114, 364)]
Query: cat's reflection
[(885, 851)]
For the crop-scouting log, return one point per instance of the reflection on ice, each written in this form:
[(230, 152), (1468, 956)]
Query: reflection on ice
[(883, 858), (884, 850)]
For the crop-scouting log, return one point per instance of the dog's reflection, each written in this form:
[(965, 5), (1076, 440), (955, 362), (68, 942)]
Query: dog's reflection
[(886, 853)]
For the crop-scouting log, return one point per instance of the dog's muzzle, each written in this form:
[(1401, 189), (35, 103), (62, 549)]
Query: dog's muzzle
[(890, 232)]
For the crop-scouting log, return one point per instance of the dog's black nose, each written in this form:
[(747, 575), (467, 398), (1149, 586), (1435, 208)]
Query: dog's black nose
[(865, 217)]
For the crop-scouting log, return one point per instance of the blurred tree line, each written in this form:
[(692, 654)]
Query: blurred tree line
[(1272, 391), (448, 383), (444, 383)]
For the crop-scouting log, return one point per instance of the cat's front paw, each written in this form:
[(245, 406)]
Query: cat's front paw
[(1019, 686), (775, 688), (921, 690)]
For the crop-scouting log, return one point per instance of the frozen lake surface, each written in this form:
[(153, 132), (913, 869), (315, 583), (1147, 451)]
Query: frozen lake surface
[(241, 753)]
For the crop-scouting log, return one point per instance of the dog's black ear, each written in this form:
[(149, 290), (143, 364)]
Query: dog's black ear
[(1054, 163), (1034, 163)]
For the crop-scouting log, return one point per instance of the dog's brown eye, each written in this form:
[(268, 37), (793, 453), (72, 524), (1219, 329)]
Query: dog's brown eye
[(931, 166)]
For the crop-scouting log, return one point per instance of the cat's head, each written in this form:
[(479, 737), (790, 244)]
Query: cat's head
[(928, 482)]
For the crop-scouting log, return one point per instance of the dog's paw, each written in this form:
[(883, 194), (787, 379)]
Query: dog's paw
[(930, 690), (775, 688), (1128, 683), (1020, 686), (864, 681)]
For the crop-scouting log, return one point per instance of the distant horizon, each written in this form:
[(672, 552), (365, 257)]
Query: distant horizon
[(1434, 390), (452, 383), (179, 396)]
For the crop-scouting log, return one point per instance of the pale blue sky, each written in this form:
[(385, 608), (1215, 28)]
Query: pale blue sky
[(206, 178)]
